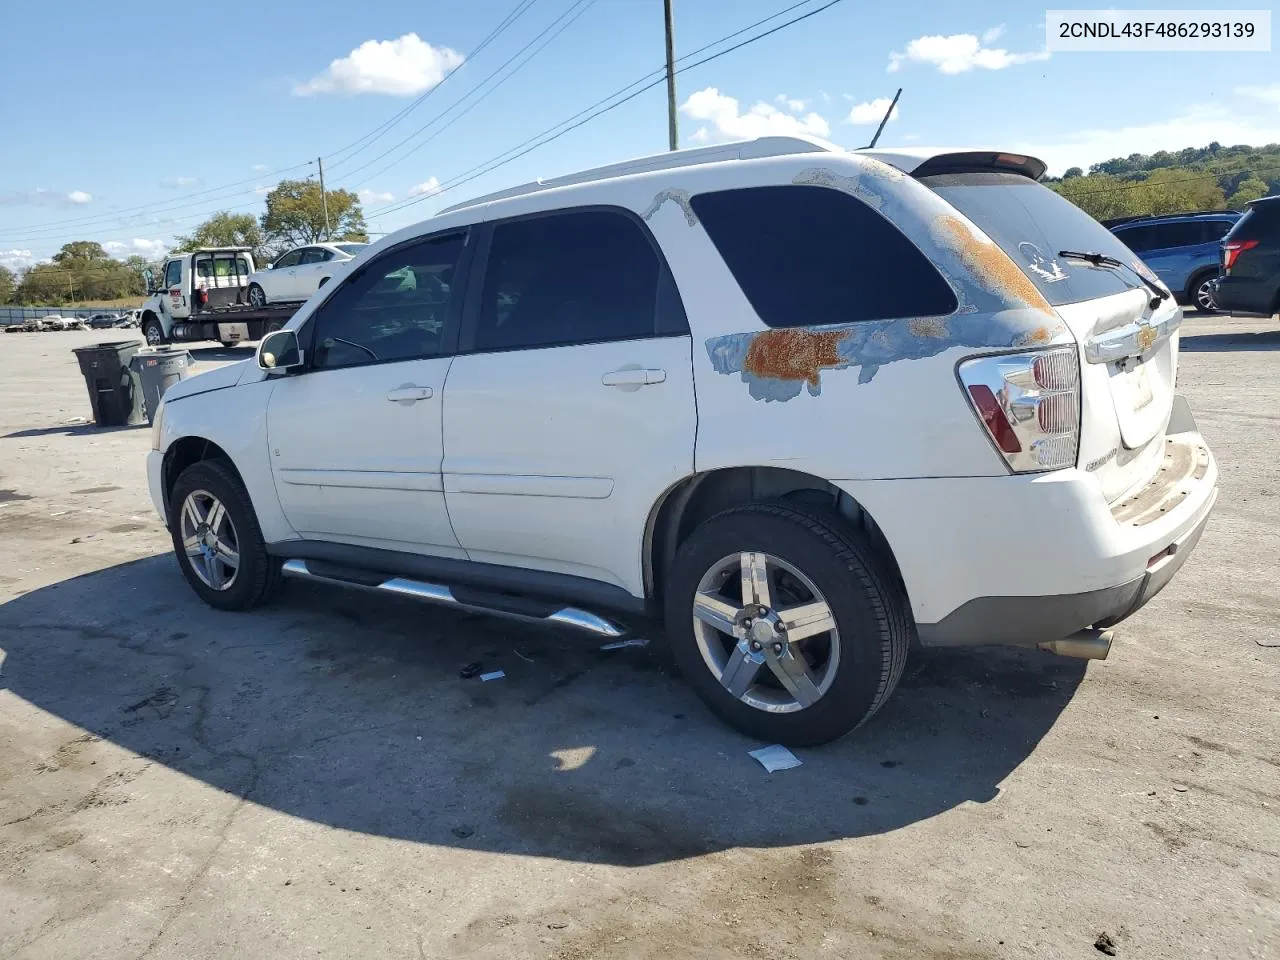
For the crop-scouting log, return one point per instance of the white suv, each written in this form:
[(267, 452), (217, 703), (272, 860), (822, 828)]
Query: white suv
[(806, 404)]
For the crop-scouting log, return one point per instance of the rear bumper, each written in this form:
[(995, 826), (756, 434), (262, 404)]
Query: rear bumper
[(1027, 559), (1244, 295)]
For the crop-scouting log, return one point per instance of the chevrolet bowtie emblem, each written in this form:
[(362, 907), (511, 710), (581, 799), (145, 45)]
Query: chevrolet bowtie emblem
[(1146, 336)]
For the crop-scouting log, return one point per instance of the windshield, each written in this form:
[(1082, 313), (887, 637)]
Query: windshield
[(1031, 224), (351, 248)]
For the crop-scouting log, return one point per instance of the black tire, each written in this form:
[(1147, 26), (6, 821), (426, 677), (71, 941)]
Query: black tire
[(869, 608), (260, 300), (258, 575), (1194, 295), (153, 332)]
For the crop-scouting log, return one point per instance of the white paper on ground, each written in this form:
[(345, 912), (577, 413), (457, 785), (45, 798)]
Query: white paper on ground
[(495, 675), (776, 757)]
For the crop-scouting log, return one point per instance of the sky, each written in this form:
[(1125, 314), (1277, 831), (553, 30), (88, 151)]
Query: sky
[(128, 124)]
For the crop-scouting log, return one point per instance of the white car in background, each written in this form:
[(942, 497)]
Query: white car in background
[(300, 272)]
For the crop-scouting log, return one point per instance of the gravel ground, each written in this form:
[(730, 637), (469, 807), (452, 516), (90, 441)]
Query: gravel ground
[(316, 780)]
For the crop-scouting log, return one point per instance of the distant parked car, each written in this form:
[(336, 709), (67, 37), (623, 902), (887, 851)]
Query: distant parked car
[(1182, 249), (53, 322), (1251, 261), (300, 272), (104, 321)]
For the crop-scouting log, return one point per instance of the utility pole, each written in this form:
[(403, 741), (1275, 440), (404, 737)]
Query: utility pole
[(324, 201), (673, 136), (887, 114)]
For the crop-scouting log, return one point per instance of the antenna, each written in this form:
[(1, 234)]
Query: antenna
[(887, 114)]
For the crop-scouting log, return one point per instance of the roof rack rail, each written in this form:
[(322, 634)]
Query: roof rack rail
[(737, 150), (1116, 221)]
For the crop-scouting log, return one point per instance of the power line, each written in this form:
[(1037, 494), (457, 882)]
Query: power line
[(542, 139), (1136, 184), (581, 6), (519, 10)]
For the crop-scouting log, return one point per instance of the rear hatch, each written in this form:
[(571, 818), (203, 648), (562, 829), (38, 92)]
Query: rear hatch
[(1128, 351), (1251, 253)]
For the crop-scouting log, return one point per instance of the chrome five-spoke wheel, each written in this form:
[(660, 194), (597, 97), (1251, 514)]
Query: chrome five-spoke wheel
[(209, 540), (766, 632)]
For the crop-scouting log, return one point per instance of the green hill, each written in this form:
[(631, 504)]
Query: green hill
[(1197, 178)]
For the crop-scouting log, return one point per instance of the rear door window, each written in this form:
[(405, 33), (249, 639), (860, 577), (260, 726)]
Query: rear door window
[(1032, 224), (1184, 233), (810, 255), (1214, 230)]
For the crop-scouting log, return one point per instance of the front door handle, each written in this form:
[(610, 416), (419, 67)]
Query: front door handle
[(633, 377), (408, 393)]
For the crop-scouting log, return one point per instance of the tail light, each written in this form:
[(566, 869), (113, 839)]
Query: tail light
[(1029, 404), (1232, 250)]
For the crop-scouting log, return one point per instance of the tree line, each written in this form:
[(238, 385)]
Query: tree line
[(83, 271)]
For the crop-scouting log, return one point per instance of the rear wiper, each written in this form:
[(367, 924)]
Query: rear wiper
[(1102, 260)]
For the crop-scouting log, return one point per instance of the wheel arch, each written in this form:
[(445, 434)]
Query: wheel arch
[(699, 496), (184, 452), (1197, 277)]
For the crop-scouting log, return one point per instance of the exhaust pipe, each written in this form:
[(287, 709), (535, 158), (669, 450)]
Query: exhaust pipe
[(1087, 644)]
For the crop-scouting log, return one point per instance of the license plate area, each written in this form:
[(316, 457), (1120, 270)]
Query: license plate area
[(1131, 380), (233, 332)]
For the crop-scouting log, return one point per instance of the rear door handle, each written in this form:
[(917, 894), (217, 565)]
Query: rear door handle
[(409, 393), (633, 377)]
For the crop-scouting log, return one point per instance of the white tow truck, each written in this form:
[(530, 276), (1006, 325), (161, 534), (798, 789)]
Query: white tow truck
[(201, 295)]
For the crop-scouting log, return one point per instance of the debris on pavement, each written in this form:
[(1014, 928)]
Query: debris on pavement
[(470, 670), (619, 644), (776, 757), (463, 832), (1105, 943), (493, 675), (1180, 788)]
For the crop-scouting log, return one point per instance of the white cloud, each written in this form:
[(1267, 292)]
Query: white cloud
[(404, 66), (426, 188), (177, 183), (1269, 95), (16, 259), (262, 190), (791, 103), (373, 196), (41, 197), (259, 167), (1197, 126), (960, 53), (727, 122), (122, 249), (994, 34), (872, 111)]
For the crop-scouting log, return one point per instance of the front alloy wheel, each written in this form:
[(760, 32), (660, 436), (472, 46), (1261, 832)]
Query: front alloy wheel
[(209, 540)]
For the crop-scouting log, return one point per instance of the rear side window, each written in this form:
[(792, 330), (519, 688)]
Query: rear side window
[(1031, 224), (1215, 230), (810, 255), (574, 277), (1261, 221)]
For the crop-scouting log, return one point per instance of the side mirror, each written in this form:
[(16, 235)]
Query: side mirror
[(279, 351)]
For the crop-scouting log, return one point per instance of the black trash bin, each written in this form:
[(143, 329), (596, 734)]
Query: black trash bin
[(115, 391)]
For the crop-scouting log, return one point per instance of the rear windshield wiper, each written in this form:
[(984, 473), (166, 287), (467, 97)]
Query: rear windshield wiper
[(1102, 260)]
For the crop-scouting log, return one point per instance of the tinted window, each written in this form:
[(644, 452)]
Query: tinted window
[(809, 255), (572, 277), (351, 248), (395, 309), (1260, 221), (1031, 224), (1182, 233), (313, 255), (173, 273), (290, 259), (1214, 230), (1138, 239)]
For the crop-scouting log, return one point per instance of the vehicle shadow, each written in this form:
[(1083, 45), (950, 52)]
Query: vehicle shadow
[(1230, 340), (73, 430), (348, 709)]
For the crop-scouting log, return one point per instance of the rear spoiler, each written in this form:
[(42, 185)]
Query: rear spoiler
[(981, 161)]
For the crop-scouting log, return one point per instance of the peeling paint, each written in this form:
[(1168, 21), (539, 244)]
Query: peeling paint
[(987, 263), (679, 197), (1033, 338), (778, 364)]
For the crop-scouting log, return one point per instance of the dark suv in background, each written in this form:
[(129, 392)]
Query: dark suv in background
[(1250, 280), (1183, 249)]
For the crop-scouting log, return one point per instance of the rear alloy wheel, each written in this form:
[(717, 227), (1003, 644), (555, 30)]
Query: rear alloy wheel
[(257, 296), (785, 622), (1202, 294)]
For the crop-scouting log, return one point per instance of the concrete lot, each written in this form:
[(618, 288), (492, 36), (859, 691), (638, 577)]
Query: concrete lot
[(316, 780)]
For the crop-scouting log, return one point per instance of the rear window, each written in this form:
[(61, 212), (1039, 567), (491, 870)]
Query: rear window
[(1260, 221), (351, 248), (811, 255), (1031, 224)]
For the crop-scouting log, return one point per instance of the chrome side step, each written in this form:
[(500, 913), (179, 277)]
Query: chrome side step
[(437, 593)]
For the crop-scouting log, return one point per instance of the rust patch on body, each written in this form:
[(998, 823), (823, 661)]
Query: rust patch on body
[(988, 264), (795, 354), (931, 327), (1034, 337)]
